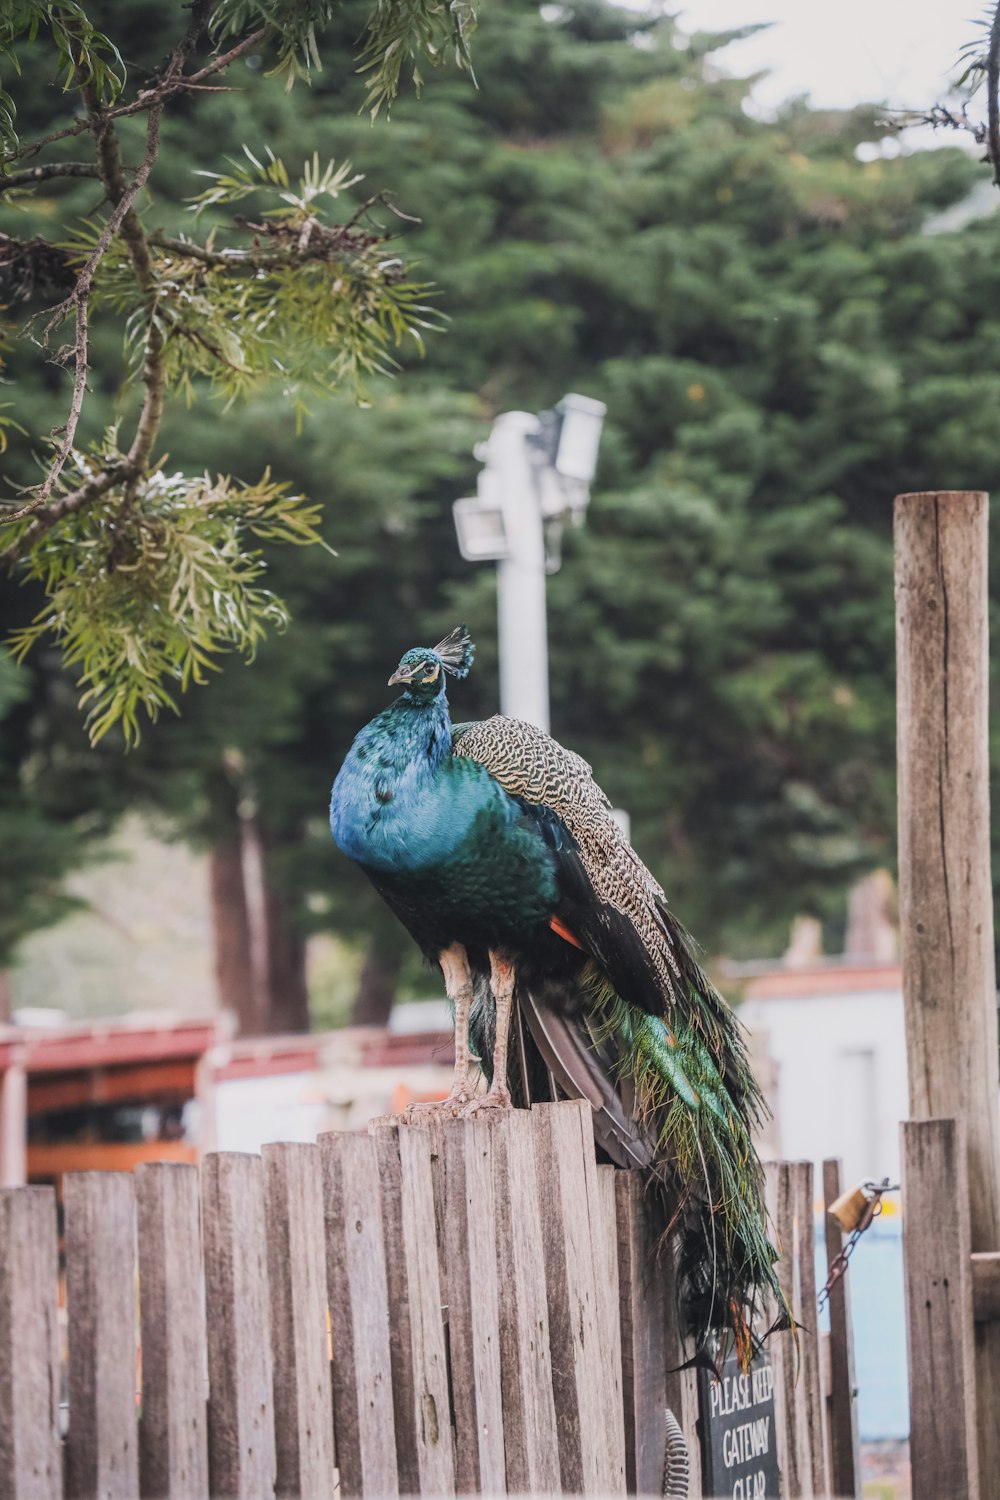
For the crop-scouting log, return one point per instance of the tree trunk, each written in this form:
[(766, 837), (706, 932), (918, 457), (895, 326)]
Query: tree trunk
[(286, 995), (377, 985), (234, 973)]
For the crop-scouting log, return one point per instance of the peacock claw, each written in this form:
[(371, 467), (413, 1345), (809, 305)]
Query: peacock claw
[(495, 1102), (435, 1109)]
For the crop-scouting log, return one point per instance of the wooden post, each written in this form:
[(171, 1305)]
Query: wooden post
[(173, 1433), (102, 1449), (945, 887), (842, 1395), (938, 1269), (30, 1457)]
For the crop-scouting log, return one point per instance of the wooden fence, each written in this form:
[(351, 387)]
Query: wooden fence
[(474, 1307)]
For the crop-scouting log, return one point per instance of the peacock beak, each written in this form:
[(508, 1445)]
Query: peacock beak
[(400, 676)]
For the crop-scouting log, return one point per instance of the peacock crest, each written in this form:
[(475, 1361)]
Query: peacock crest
[(457, 652)]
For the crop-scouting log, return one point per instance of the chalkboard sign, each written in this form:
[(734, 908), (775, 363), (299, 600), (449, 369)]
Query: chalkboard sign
[(739, 1449)]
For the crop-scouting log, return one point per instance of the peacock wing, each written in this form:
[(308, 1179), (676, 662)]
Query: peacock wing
[(628, 914)]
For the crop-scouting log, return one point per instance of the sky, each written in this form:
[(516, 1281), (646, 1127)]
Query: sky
[(899, 52)]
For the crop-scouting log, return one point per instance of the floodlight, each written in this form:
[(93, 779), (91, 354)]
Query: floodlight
[(481, 529), (579, 437)]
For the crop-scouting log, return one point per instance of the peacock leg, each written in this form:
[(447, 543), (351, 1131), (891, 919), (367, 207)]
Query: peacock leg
[(454, 963), (502, 980)]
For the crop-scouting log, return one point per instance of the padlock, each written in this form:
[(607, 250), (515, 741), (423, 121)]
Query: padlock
[(850, 1208)]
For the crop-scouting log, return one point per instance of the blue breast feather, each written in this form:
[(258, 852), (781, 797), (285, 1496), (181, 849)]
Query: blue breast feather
[(402, 802)]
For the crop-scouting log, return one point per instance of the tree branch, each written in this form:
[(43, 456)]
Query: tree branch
[(77, 302), (111, 171), (992, 90), (66, 505), (157, 94), (134, 236), (81, 371), (331, 239), (28, 175)]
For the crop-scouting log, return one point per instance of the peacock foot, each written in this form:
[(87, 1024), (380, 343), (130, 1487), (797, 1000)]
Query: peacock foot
[(495, 1102), (436, 1109)]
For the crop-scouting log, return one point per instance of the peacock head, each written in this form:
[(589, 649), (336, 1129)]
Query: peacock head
[(422, 670)]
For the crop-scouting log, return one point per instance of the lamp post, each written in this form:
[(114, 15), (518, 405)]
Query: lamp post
[(536, 477)]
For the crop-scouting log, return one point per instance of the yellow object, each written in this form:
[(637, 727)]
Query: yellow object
[(850, 1208)]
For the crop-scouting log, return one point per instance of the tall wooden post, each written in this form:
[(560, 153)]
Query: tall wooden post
[(945, 887)]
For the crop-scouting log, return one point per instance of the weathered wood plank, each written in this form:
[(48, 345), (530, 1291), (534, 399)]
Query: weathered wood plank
[(102, 1448), (385, 1141), (241, 1447), (530, 1432), (842, 1390), (30, 1450), (605, 1232), (470, 1252), (357, 1295), (435, 1450), (296, 1267), (800, 1415), (643, 1322), (590, 1421), (986, 1286), (173, 1430), (945, 883), (944, 1456)]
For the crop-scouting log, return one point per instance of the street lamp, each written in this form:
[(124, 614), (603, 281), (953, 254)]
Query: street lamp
[(536, 476)]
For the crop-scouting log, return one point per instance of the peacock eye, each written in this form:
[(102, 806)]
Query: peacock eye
[(433, 675)]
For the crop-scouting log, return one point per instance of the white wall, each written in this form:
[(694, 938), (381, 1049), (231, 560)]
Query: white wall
[(841, 1077)]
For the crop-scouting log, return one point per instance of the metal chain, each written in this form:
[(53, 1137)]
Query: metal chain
[(838, 1265)]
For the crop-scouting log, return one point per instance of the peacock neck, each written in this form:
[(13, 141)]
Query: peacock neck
[(415, 733)]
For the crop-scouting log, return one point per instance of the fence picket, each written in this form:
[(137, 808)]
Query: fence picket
[(470, 1251), (30, 1450), (241, 1445), (303, 1403), (359, 1317), (799, 1408), (842, 1393), (102, 1449), (643, 1322), (384, 1134), (531, 1447), (173, 1430), (435, 1447), (591, 1443)]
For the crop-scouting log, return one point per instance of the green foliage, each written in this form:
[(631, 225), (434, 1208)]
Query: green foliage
[(397, 33), (83, 55), (142, 594), (310, 306), (147, 577)]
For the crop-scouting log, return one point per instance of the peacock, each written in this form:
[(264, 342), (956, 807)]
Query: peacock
[(567, 972)]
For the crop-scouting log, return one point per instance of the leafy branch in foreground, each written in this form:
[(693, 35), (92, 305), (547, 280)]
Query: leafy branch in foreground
[(142, 605), (301, 293)]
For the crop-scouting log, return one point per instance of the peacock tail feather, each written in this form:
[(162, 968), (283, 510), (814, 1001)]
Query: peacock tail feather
[(694, 1087)]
